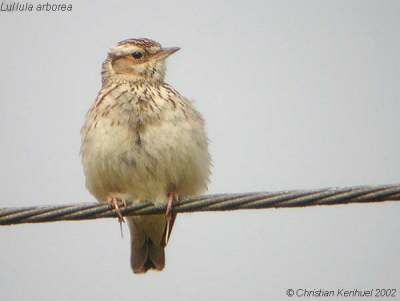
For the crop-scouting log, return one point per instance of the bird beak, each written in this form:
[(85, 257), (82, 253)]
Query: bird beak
[(165, 52)]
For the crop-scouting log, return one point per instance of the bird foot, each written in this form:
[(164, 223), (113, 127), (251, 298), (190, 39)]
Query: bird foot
[(172, 196), (117, 204)]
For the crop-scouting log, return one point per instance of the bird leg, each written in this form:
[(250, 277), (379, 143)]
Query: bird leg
[(172, 196), (116, 204)]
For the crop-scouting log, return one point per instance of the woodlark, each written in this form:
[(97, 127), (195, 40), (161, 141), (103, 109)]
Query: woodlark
[(143, 141)]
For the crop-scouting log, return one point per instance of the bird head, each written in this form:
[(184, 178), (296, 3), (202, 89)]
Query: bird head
[(136, 60)]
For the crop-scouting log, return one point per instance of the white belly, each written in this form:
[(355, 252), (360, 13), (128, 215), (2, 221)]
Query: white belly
[(170, 157)]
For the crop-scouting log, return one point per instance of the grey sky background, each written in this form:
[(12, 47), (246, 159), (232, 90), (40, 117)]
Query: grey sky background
[(296, 95)]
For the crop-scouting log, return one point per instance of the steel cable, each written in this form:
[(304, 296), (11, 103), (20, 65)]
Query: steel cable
[(216, 202)]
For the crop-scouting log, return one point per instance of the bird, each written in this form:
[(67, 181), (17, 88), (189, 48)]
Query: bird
[(142, 141)]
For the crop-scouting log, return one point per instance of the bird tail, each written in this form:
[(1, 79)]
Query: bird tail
[(147, 242)]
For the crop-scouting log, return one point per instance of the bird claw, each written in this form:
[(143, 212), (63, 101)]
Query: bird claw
[(170, 216), (118, 204)]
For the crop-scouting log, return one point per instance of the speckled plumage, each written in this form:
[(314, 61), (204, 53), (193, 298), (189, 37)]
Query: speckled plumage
[(142, 140)]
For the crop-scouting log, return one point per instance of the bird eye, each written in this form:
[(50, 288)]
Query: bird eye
[(137, 55)]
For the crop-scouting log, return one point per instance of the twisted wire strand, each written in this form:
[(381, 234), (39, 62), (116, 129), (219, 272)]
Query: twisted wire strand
[(216, 202)]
